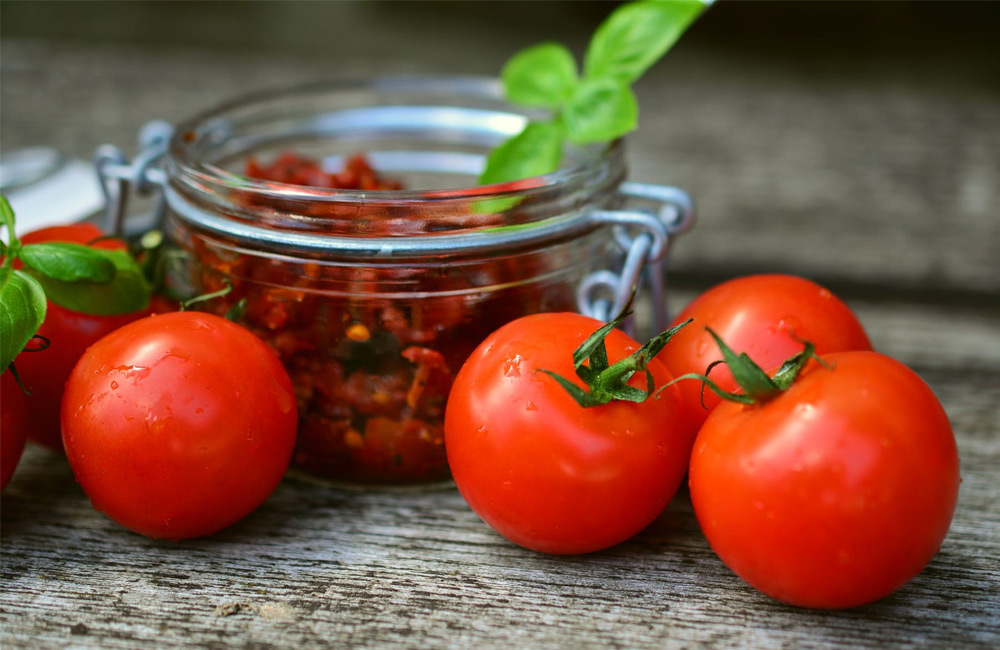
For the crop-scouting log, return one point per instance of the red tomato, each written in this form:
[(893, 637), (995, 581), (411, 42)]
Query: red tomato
[(179, 425), (544, 472), (766, 316), (76, 233), (45, 372), (13, 426), (836, 492)]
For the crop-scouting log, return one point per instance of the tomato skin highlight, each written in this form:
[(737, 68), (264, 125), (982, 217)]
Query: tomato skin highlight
[(13, 426), (544, 472), (837, 492), (69, 333), (767, 316), (178, 425)]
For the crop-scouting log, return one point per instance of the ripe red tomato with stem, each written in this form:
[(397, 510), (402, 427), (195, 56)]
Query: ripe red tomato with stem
[(13, 425), (69, 333), (830, 488), (554, 466), (767, 316), (178, 425)]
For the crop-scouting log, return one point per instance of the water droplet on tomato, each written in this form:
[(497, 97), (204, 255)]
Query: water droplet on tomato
[(530, 406), (114, 385), (177, 352), (512, 366), (155, 424), (789, 324)]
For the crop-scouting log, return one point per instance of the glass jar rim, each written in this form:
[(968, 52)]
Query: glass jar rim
[(181, 161)]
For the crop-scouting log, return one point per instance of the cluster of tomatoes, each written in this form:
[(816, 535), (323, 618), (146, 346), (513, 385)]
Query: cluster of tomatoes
[(176, 424), (830, 490)]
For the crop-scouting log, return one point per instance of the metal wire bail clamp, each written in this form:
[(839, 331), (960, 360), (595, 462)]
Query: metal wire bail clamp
[(117, 176), (644, 239)]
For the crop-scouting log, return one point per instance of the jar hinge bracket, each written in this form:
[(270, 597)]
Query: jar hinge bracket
[(118, 176), (644, 238)]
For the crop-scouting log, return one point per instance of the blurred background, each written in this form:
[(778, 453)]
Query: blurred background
[(855, 142)]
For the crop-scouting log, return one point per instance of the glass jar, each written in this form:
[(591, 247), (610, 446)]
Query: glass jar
[(373, 299)]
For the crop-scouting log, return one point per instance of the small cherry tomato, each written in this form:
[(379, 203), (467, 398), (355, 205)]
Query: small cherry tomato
[(13, 426), (836, 492), (765, 316), (44, 372), (545, 472), (179, 425)]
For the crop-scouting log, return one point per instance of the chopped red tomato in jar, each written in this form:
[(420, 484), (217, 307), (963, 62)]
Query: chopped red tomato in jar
[(372, 371), (292, 169)]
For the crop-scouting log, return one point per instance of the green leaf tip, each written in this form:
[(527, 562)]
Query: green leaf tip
[(598, 106), (22, 311), (541, 76)]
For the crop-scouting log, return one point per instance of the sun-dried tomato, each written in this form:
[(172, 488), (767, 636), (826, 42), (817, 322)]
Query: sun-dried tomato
[(293, 169), (371, 374)]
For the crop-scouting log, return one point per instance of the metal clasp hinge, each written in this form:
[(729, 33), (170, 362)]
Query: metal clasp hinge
[(643, 237), (117, 175)]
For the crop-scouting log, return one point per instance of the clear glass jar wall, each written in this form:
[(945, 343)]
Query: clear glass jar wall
[(373, 299)]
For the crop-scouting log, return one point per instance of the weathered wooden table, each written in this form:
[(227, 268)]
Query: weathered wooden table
[(872, 166)]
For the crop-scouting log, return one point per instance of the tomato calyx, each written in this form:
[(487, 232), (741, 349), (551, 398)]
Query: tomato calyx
[(755, 386), (609, 382)]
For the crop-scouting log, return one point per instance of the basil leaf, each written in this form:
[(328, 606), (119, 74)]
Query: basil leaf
[(7, 216), (534, 151), (68, 262), (127, 292), (636, 35), (599, 111), (22, 310), (540, 76)]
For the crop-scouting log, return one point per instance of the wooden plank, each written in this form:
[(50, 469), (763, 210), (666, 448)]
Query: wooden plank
[(320, 566)]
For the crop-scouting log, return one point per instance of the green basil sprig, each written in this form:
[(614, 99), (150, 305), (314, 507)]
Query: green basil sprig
[(22, 310), (597, 106), (84, 279)]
